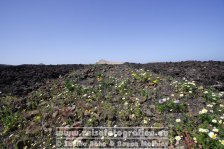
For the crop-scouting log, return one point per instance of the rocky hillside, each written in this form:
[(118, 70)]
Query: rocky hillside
[(127, 95)]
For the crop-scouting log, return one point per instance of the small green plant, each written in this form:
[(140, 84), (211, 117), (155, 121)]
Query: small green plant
[(122, 86), (100, 77), (141, 76), (37, 118), (205, 118), (210, 96), (92, 120), (8, 119), (123, 114), (172, 106), (137, 110), (69, 85)]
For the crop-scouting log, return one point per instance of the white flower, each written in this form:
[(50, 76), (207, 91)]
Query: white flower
[(126, 103), (175, 82), (133, 115), (0, 92), (221, 105), (205, 92), (213, 103), (162, 100), (214, 121), (137, 103), (178, 138), (172, 95), (215, 129), (190, 92), (181, 95), (11, 135), (221, 141), (195, 140), (178, 120), (212, 135), (220, 121), (203, 130), (209, 105), (176, 101), (145, 121), (203, 111), (123, 98)]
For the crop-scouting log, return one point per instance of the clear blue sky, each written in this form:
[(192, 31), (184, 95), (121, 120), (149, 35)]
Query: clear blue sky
[(84, 31)]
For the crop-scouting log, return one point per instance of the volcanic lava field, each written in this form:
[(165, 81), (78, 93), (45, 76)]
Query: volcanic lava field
[(185, 97)]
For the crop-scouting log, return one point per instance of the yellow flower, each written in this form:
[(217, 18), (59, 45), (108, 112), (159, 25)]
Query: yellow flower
[(87, 112), (212, 135), (99, 78), (37, 118), (155, 81)]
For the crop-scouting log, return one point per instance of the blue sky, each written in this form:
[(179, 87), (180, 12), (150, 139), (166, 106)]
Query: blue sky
[(84, 31)]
